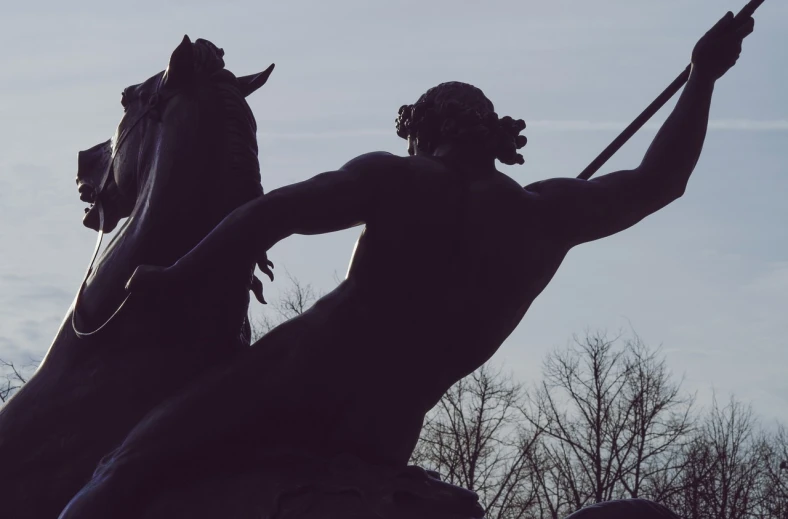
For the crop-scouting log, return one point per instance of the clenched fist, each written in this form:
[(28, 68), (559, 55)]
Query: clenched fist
[(717, 51)]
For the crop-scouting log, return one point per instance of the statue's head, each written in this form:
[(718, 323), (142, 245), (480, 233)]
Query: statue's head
[(178, 98), (460, 114)]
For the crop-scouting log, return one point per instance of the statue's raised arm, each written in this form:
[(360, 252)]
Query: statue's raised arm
[(586, 210)]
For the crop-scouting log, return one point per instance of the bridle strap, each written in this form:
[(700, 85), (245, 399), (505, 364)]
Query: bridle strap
[(156, 102), (77, 332)]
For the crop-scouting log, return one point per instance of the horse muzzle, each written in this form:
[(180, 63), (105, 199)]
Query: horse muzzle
[(93, 171)]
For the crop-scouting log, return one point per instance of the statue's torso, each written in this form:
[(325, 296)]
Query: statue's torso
[(454, 261), (441, 275)]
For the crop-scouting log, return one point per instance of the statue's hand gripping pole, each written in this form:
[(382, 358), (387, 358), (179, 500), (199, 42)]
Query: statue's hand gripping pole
[(658, 103)]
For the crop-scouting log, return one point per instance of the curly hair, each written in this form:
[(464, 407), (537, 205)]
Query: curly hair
[(461, 113)]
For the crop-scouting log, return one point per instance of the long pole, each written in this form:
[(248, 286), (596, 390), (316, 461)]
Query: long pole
[(655, 106)]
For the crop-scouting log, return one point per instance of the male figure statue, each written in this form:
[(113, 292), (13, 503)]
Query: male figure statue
[(452, 256)]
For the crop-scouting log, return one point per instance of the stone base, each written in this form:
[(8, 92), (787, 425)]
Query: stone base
[(298, 487)]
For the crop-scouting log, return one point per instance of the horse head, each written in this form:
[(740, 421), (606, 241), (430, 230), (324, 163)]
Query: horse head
[(183, 156), (114, 171)]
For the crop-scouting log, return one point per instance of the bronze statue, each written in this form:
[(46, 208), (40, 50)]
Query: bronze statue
[(452, 254), (184, 157)]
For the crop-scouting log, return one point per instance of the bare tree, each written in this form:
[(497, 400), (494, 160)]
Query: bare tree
[(292, 302), (660, 422), (610, 417), (730, 431), (773, 485), (722, 466), (686, 487), (14, 378), (579, 401), (554, 476), (475, 438)]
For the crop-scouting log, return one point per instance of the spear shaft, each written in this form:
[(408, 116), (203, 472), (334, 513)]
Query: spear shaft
[(655, 106)]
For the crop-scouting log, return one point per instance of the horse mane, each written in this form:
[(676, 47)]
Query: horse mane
[(240, 129), (240, 133)]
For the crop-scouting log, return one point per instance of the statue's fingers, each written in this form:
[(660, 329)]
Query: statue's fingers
[(257, 290), (264, 268), (724, 22), (745, 29)]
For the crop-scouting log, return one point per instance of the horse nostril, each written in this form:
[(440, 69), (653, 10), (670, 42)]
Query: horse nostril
[(87, 193)]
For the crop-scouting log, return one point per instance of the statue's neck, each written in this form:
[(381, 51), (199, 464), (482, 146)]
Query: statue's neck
[(461, 159)]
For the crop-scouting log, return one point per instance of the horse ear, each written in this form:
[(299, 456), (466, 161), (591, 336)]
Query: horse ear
[(181, 67), (249, 84)]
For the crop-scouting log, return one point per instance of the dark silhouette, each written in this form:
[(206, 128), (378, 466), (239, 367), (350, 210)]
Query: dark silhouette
[(186, 156), (452, 255), (624, 509)]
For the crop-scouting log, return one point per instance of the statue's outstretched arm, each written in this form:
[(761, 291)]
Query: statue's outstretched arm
[(584, 210), (328, 202)]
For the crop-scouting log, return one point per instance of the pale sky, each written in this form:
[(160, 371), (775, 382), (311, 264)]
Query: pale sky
[(706, 277)]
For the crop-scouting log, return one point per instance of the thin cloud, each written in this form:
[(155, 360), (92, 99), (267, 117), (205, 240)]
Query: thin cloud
[(748, 125), (330, 134), (583, 126), (547, 124), (714, 124)]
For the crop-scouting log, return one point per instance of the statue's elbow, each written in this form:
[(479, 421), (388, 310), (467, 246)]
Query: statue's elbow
[(664, 188), (675, 190), (667, 195)]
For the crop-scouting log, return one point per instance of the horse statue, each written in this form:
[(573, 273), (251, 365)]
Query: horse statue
[(183, 157)]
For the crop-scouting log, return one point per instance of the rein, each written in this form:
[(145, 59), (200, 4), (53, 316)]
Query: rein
[(156, 101)]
